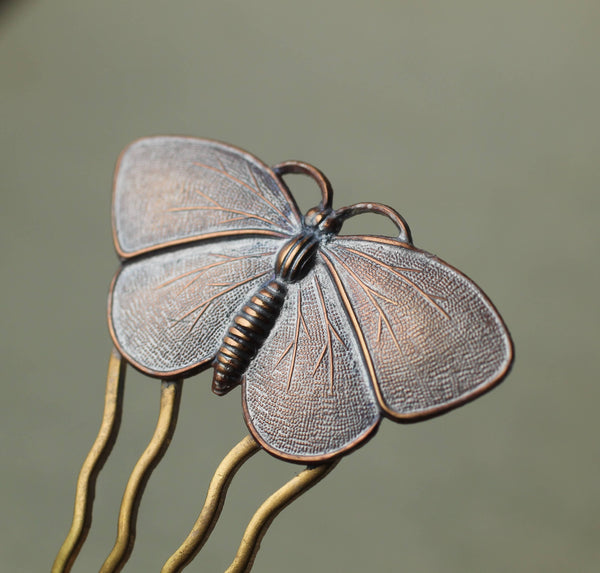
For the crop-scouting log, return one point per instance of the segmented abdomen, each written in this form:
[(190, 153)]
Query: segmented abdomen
[(246, 334)]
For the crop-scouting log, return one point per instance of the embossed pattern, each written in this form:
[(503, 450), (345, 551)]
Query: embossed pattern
[(170, 190), (327, 334), (169, 312), (308, 392), (432, 336)]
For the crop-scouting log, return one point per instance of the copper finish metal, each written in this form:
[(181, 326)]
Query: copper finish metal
[(255, 320), (144, 180), (270, 509), (215, 498), (403, 229), (300, 167), (86, 483), (167, 419), (326, 333)]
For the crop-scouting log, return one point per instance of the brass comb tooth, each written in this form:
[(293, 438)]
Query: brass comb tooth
[(126, 531), (170, 398), (86, 482)]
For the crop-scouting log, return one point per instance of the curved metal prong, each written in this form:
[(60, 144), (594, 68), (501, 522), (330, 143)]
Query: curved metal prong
[(215, 498), (86, 482), (170, 398), (303, 168), (270, 509), (378, 208)]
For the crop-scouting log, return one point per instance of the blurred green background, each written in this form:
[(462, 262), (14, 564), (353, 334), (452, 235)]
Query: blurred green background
[(478, 121)]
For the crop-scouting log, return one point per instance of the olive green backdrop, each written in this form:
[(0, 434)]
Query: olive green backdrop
[(478, 121)]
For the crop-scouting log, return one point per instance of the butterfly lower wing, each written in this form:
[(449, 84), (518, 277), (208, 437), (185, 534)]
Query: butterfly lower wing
[(173, 190), (307, 394), (168, 312), (431, 337)]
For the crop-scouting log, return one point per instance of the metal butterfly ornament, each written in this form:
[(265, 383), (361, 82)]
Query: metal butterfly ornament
[(326, 333)]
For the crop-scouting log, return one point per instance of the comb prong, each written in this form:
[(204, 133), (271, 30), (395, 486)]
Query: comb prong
[(170, 398), (270, 509), (97, 456), (215, 498)]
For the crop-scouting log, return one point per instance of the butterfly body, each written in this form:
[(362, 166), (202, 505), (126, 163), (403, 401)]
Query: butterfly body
[(327, 333), (245, 335), (254, 321)]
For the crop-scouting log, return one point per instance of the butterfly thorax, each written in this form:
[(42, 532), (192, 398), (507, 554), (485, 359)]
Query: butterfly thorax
[(253, 323), (297, 256)]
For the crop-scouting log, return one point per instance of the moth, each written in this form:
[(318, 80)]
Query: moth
[(326, 333)]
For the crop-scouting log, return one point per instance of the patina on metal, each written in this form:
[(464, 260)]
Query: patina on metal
[(326, 333)]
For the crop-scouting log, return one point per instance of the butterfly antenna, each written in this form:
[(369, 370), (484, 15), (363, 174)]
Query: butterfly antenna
[(404, 233), (307, 169)]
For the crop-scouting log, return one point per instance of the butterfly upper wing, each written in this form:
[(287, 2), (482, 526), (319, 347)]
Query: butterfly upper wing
[(227, 213), (307, 394), (430, 337), (174, 190), (168, 312)]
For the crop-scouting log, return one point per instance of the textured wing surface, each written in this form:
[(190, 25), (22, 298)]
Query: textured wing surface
[(432, 338), (168, 312), (171, 190), (307, 394)]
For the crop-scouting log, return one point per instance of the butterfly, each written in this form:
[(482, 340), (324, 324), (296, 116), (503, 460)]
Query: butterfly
[(326, 333)]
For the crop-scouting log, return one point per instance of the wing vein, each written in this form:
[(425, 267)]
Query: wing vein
[(295, 342), (267, 200), (428, 296), (224, 209), (224, 173), (285, 352), (199, 270), (329, 329), (368, 290), (219, 294)]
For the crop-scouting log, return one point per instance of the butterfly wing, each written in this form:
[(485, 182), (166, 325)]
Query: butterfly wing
[(168, 312), (226, 211), (307, 395), (431, 338), (174, 190)]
